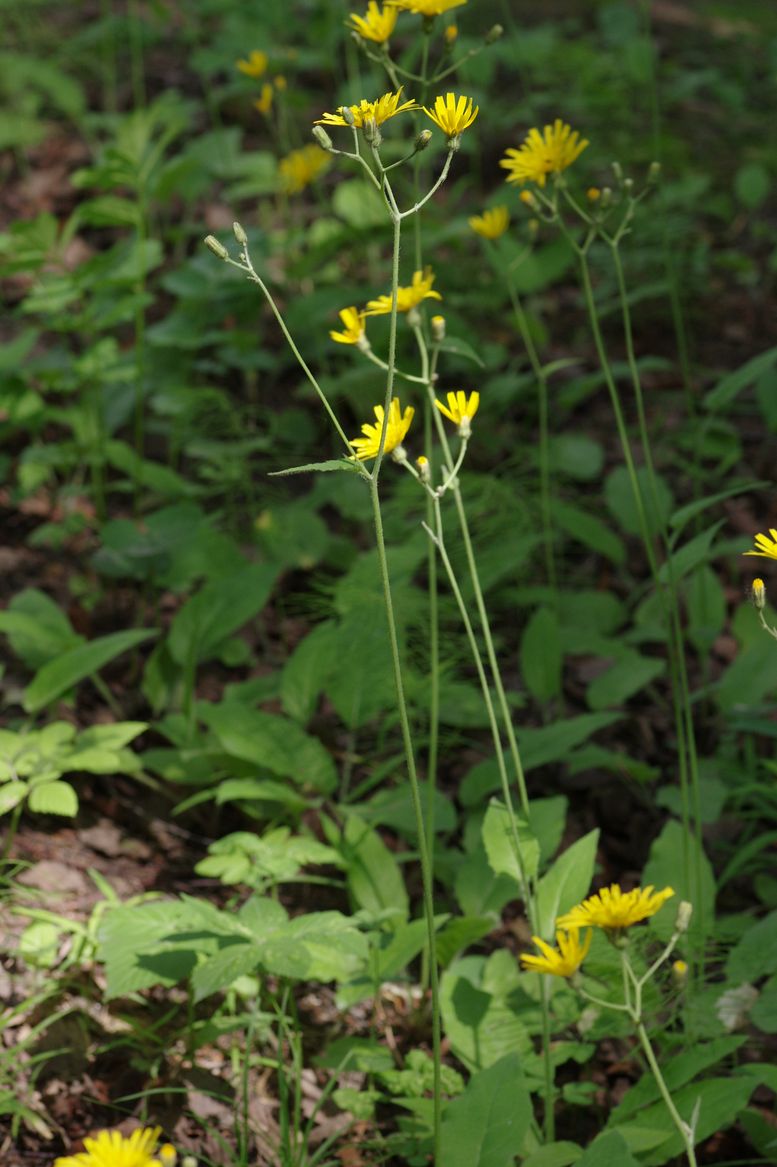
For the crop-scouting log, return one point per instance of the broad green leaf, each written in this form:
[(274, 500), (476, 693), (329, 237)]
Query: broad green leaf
[(675, 862), (152, 475), (306, 670), (729, 388), (623, 679), (566, 882), (359, 204), (479, 891), (691, 555), (608, 1149), (37, 628), (510, 846), (486, 1014), (619, 496), (53, 798), (685, 513), (11, 794), (589, 530), (706, 606), (577, 456), (237, 958), (719, 1100), (56, 677), (751, 676), (681, 1068), (754, 956), (487, 1124), (135, 951), (374, 878), (541, 657), (752, 183), (554, 1155), (458, 933), (219, 609), (275, 743)]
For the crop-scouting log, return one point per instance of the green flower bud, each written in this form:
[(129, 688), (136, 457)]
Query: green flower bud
[(217, 248)]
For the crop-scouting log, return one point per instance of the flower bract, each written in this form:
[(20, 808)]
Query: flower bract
[(613, 909), (492, 223), (111, 1149), (377, 24), (301, 167), (353, 327), (426, 7), (453, 115), (764, 546), (380, 110), (407, 297), (562, 961), (544, 153), (255, 65), (460, 408), (397, 427)]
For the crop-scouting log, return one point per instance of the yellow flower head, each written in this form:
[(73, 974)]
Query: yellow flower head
[(426, 7), (460, 410), (255, 65), (280, 82), (379, 111), (264, 103), (451, 115), (612, 909), (560, 962), (397, 427), (451, 33), (544, 153), (593, 194), (408, 297), (377, 25), (492, 223), (765, 547), (299, 168), (353, 327), (110, 1149)]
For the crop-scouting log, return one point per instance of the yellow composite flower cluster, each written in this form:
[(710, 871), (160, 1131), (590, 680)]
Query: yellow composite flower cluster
[(453, 114), (764, 546), (301, 167), (407, 297), (541, 154), (427, 8), (379, 111), (460, 409), (377, 24), (254, 65), (112, 1149), (610, 909), (492, 224), (397, 426)]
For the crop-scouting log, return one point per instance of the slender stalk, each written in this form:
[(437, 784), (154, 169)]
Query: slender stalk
[(683, 1128)]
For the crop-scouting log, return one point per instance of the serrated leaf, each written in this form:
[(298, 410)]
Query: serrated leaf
[(54, 798), (319, 467)]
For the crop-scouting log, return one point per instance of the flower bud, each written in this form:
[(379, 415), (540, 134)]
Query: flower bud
[(684, 913), (371, 132), (217, 248), (679, 973), (422, 141), (188, 1161), (399, 454), (438, 328), (606, 198), (528, 199), (451, 32), (347, 115), (494, 34), (239, 234), (323, 139), (759, 594), (424, 468), (593, 194), (654, 173), (617, 170), (167, 1155), (628, 185)]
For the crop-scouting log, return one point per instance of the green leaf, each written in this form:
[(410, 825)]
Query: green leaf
[(320, 467), (237, 958), (541, 655), (729, 388), (374, 878), (275, 743), (691, 509), (666, 867), (554, 1155), (53, 798), (11, 794), (460, 348), (486, 1014), (608, 1149), (682, 1068), (133, 945), (500, 829), (719, 1100), (359, 204), (487, 1124), (706, 607), (37, 628), (691, 555), (751, 676), (576, 456), (459, 933), (306, 670), (566, 882), (754, 955), (752, 183), (623, 679), (56, 677), (619, 496), (589, 530), (219, 609)]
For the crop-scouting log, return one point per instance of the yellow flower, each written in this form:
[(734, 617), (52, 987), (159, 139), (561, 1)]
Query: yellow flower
[(451, 33), (544, 153), (379, 111), (353, 327), (460, 410), (377, 25), (280, 82), (492, 223), (593, 194), (299, 168), (398, 425), (452, 116), (256, 64), (264, 103), (765, 547), (612, 909), (426, 7), (759, 594), (561, 962), (110, 1149), (407, 298)]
